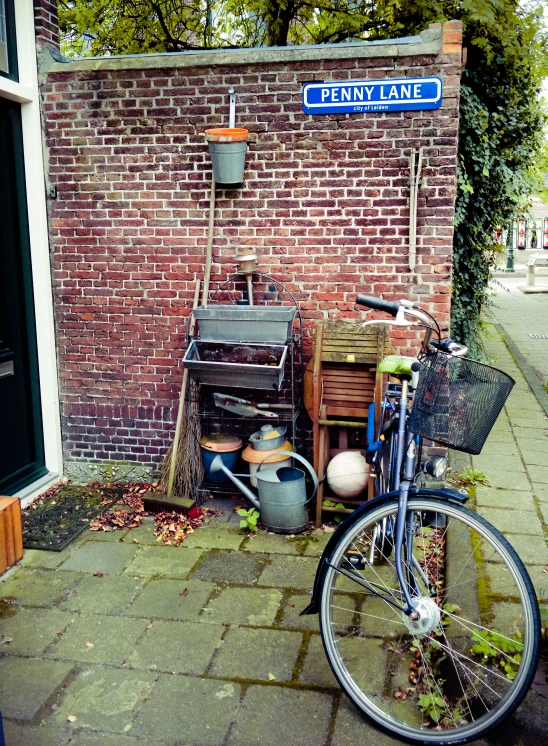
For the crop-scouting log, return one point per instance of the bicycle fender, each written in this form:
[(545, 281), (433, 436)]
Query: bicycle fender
[(445, 494)]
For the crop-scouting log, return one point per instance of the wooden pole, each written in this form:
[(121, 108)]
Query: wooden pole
[(412, 213), (182, 398), (209, 250)]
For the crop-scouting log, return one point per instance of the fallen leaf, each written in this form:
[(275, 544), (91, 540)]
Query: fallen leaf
[(7, 640), (291, 606), (184, 592), (59, 631), (135, 541), (271, 677), (545, 569), (71, 719), (150, 626), (89, 644), (98, 574)]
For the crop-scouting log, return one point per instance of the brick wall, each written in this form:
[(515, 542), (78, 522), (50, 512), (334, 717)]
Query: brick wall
[(325, 204), (46, 22)]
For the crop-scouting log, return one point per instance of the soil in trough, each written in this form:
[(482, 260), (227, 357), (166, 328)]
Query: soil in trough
[(217, 352)]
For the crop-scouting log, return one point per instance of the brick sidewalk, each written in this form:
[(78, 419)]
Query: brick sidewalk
[(515, 462), (521, 315)]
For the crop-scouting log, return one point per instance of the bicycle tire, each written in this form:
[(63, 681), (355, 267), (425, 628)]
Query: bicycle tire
[(376, 658)]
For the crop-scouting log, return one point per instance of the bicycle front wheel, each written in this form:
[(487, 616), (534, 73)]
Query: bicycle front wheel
[(470, 659)]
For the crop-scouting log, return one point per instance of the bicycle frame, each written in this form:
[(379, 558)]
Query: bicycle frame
[(407, 454)]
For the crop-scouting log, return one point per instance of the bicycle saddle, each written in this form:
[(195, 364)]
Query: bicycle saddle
[(397, 365)]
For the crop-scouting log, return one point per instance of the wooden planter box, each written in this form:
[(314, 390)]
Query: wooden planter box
[(11, 532)]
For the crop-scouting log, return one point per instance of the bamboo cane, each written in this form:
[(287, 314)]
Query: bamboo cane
[(209, 250)]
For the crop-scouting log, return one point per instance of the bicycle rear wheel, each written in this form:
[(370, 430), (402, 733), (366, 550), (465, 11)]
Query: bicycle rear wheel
[(473, 660)]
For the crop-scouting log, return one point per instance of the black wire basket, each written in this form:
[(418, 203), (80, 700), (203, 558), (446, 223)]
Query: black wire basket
[(457, 401)]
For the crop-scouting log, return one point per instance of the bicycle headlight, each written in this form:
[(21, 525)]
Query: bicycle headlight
[(436, 467)]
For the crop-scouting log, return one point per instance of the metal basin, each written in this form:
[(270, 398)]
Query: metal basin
[(254, 366), (264, 324)]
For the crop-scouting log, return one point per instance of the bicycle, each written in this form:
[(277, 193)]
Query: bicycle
[(428, 617)]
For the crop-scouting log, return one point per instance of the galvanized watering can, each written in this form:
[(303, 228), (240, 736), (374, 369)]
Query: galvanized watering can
[(282, 494)]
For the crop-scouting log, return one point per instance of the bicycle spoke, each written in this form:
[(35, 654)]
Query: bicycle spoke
[(456, 661), (454, 688), (433, 678), (479, 626), (490, 671)]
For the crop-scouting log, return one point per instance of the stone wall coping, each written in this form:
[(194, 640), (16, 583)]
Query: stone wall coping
[(427, 43)]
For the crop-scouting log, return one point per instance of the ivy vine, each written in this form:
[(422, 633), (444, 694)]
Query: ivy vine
[(501, 136)]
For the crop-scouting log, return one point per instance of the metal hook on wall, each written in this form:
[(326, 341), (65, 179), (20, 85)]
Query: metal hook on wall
[(232, 108), (415, 167)]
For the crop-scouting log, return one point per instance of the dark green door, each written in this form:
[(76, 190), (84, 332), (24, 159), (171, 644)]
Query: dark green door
[(21, 440)]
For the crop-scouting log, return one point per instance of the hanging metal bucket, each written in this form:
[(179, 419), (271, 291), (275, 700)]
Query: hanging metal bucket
[(227, 147)]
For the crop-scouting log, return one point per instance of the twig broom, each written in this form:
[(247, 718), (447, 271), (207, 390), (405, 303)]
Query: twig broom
[(181, 470)]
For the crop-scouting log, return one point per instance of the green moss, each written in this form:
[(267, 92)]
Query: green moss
[(6, 609)]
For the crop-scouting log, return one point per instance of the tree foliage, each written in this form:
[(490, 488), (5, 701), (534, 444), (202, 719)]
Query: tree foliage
[(99, 27), (501, 123)]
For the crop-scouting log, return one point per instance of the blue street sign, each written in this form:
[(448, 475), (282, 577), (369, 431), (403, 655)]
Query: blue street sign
[(372, 95)]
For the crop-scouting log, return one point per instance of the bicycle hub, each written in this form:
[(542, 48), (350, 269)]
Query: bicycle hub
[(425, 618)]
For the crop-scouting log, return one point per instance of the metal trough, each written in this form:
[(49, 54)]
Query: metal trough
[(262, 324), (243, 365)]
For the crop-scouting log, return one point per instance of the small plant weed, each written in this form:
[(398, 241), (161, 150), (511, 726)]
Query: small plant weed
[(469, 477), (503, 651), (331, 504), (249, 518), (433, 706)]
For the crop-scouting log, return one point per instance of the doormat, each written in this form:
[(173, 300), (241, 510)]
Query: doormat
[(63, 513)]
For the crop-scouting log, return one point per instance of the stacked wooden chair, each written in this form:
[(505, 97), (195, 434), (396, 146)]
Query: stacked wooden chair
[(345, 382)]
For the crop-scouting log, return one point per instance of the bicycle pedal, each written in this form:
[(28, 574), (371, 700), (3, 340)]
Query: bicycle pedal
[(356, 559)]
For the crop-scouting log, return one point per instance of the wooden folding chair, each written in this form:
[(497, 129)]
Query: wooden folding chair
[(346, 380)]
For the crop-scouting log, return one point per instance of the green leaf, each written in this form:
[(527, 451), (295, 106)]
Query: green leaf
[(451, 608), (243, 524), (242, 512)]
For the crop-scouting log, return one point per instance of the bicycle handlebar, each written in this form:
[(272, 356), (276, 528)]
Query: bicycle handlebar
[(378, 304), (401, 309), (453, 348)]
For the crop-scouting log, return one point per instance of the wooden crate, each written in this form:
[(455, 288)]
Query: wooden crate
[(11, 532)]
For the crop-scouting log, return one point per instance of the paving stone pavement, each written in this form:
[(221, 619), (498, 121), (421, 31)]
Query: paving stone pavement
[(521, 315), (514, 460), (198, 645), (202, 645)]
